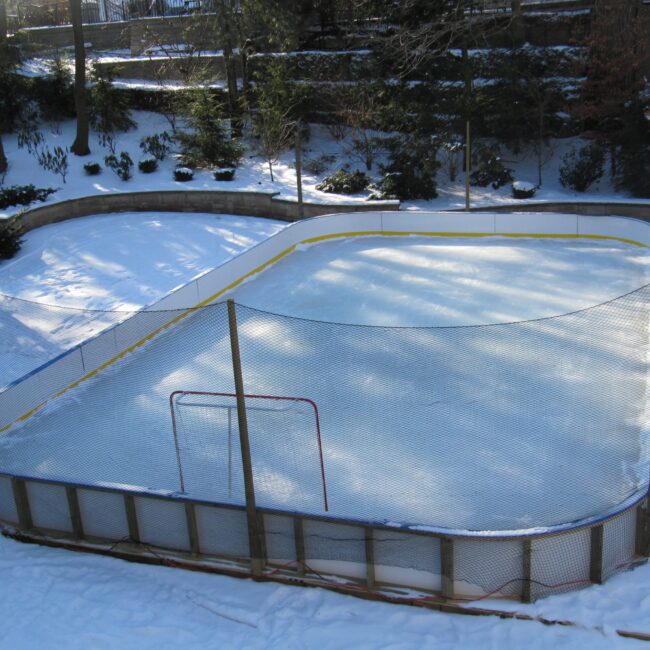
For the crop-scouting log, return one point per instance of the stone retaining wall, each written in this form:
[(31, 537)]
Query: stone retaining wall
[(243, 203)]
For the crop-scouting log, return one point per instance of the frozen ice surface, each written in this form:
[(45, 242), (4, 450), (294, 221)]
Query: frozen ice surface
[(484, 428)]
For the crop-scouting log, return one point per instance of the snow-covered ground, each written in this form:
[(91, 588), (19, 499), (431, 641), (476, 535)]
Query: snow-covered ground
[(253, 174), (62, 600), (113, 263)]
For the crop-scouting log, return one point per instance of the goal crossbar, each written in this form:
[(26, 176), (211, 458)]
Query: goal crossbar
[(177, 394)]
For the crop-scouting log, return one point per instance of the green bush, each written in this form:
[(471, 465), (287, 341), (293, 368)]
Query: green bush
[(23, 195), (122, 166), (224, 174), (109, 110), (491, 170), (581, 168), (157, 145), (148, 165), (10, 240), (411, 169), (92, 168), (343, 182), (183, 174), (209, 143), (523, 190), (55, 92)]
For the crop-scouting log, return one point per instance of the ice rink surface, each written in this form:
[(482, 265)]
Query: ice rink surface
[(425, 421)]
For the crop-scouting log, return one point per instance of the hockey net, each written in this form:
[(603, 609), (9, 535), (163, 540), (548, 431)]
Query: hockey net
[(285, 441)]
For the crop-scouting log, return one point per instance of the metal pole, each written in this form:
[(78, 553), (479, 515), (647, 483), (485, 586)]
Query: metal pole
[(468, 163), (255, 539)]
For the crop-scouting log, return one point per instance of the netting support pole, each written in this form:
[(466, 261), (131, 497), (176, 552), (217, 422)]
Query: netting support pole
[(75, 512), (21, 500), (255, 534), (596, 562), (526, 588), (370, 558), (447, 566), (299, 540)]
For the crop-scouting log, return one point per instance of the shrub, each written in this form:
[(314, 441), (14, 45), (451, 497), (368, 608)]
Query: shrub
[(523, 190), (10, 240), (55, 160), (55, 92), (491, 170), (122, 167), (319, 165), (343, 182), (183, 174), (411, 169), (109, 110), (23, 195), (224, 174), (157, 145), (581, 168), (208, 144), (92, 168), (148, 165)]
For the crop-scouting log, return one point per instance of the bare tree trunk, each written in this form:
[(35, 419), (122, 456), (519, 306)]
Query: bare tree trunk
[(80, 145), (3, 23), (517, 30), (271, 171), (3, 159), (231, 70)]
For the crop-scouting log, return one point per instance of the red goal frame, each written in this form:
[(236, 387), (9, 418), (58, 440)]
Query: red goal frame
[(306, 400)]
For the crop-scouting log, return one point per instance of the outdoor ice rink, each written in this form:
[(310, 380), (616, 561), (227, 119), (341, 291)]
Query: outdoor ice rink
[(448, 395)]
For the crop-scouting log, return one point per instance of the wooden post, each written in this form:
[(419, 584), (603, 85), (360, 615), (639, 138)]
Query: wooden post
[(299, 539), (447, 566), (370, 558), (21, 500), (192, 528), (255, 539), (75, 512), (132, 518), (527, 585), (643, 530), (596, 562), (468, 163), (301, 207)]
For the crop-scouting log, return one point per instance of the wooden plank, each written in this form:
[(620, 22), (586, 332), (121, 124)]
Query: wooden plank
[(132, 518), (447, 566), (370, 557), (299, 539), (192, 528), (596, 561), (75, 512), (527, 586), (21, 500)]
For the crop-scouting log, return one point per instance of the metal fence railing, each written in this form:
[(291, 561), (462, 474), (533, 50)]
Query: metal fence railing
[(28, 13)]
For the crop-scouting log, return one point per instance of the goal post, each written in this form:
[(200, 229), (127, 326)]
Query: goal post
[(223, 417)]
